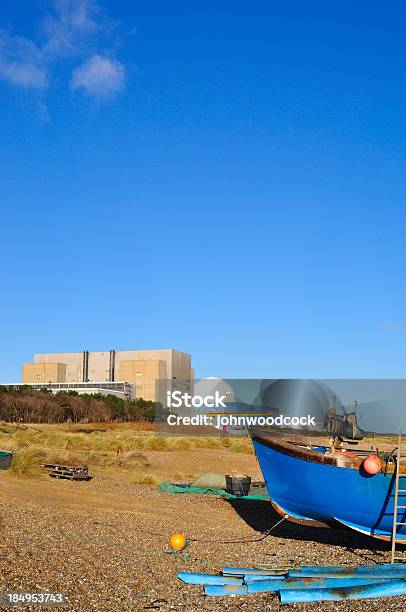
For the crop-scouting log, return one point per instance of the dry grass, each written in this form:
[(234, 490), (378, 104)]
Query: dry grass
[(115, 448), (27, 463), (143, 478), (113, 440)]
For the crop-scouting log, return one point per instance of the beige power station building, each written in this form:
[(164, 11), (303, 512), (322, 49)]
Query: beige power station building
[(139, 370)]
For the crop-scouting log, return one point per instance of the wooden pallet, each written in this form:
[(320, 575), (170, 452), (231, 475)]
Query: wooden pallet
[(68, 472)]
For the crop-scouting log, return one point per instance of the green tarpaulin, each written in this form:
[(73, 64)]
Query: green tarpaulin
[(168, 487), (209, 480)]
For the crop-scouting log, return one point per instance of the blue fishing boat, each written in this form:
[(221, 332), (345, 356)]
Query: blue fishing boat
[(319, 486)]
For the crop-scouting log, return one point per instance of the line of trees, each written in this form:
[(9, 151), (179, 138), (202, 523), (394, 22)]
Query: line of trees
[(24, 404)]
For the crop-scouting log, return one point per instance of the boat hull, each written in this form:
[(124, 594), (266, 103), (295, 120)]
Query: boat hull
[(309, 487)]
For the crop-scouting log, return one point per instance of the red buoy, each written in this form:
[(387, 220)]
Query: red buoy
[(372, 464)]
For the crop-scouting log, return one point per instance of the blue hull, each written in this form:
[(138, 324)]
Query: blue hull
[(309, 489), (393, 588), (310, 583), (326, 589), (191, 578)]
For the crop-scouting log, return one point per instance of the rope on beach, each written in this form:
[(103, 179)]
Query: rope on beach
[(243, 541)]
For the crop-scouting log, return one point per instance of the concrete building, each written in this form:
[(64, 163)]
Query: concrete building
[(44, 372), (141, 368)]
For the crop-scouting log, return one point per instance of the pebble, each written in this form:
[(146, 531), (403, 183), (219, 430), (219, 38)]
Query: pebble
[(116, 561)]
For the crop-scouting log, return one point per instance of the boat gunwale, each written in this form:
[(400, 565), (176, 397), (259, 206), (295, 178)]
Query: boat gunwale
[(306, 454)]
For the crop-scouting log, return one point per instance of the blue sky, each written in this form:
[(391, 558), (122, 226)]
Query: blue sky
[(227, 179)]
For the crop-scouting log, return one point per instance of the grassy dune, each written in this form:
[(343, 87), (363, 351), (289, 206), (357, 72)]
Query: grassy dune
[(118, 447), (109, 440)]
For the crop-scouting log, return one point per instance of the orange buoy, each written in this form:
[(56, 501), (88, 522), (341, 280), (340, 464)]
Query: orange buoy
[(177, 541), (372, 464)]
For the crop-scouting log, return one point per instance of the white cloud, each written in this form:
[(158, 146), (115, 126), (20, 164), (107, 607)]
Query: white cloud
[(21, 62), (74, 29), (73, 22), (99, 76), (25, 75)]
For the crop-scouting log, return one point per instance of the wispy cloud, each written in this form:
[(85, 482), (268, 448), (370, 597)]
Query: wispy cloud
[(71, 31), (100, 77), (394, 325), (71, 26), (21, 62)]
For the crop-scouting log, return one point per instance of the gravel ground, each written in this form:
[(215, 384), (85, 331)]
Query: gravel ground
[(104, 544)]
